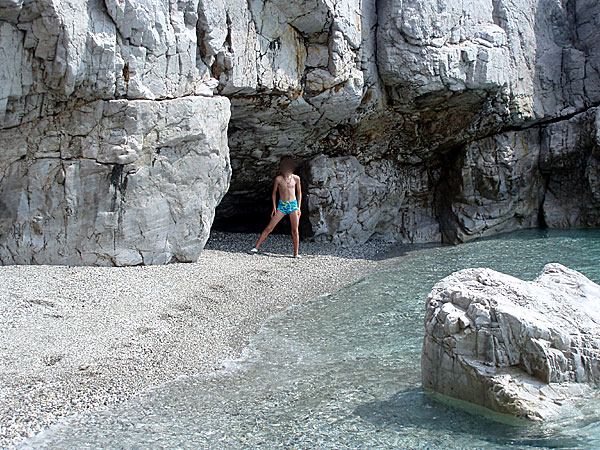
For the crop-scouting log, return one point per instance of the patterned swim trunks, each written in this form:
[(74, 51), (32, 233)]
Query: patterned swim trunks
[(287, 207)]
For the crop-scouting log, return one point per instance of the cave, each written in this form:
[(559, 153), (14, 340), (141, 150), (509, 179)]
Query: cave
[(249, 210)]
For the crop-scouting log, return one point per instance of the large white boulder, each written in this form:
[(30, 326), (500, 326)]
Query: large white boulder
[(530, 349), (113, 149), (120, 182)]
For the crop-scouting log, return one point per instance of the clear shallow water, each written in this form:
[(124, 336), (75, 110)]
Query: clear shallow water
[(343, 372)]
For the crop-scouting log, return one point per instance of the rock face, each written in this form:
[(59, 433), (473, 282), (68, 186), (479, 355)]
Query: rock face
[(112, 148), (420, 122), (114, 182), (350, 202), (529, 349), (414, 121)]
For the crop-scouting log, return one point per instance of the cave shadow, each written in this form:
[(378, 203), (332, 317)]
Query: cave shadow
[(249, 210), (413, 410)]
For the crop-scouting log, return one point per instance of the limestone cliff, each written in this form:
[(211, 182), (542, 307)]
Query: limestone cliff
[(123, 124)]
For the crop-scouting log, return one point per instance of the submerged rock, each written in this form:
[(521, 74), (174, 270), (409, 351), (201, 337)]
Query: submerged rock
[(529, 349)]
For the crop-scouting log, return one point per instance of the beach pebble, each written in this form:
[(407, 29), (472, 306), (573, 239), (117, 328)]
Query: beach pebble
[(80, 338)]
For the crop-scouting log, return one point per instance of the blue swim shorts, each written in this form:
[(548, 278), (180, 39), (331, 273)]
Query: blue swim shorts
[(287, 207)]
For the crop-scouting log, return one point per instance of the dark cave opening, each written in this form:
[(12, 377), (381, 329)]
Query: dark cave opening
[(245, 213), (249, 211)]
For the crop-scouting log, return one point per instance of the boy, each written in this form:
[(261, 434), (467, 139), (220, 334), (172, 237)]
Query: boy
[(289, 189)]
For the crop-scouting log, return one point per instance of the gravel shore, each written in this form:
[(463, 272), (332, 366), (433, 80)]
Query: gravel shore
[(78, 338)]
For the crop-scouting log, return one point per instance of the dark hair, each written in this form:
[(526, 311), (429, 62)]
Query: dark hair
[(287, 164)]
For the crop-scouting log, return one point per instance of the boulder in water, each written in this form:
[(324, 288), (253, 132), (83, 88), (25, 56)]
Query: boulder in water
[(529, 349)]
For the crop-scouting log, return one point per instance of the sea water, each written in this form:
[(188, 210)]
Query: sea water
[(343, 372)]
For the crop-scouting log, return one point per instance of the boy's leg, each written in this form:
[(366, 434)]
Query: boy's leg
[(295, 220), (267, 231)]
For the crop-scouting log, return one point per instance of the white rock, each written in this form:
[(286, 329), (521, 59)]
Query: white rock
[(422, 92), (349, 204), (147, 200), (531, 348)]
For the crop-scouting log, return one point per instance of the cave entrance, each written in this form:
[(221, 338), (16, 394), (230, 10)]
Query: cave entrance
[(246, 208), (241, 212)]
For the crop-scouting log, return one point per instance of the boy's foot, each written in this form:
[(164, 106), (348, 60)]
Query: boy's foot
[(297, 256), (254, 251)]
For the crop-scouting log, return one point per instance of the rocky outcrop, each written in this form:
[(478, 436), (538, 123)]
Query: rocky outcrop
[(350, 202), (112, 148), (570, 162), (294, 71), (114, 182), (543, 176), (449, 141), (495, 185), (529, 349), (414, 121)]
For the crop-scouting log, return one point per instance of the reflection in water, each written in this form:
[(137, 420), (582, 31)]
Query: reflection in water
[(343, 372)]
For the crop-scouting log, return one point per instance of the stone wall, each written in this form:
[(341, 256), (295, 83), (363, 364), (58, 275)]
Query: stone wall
[(415, 121)]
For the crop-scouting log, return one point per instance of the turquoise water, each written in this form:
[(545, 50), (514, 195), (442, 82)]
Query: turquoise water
[(343, 372)]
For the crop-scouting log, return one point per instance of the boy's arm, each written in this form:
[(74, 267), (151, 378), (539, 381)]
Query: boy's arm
[(274, 197), (299, 194)]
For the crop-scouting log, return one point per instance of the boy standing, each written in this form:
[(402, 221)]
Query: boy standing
[(290, 196)]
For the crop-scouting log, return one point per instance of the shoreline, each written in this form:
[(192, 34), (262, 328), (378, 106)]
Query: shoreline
[(79, 338)]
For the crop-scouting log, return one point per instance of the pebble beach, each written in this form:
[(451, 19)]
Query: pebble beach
[(74, 339)]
